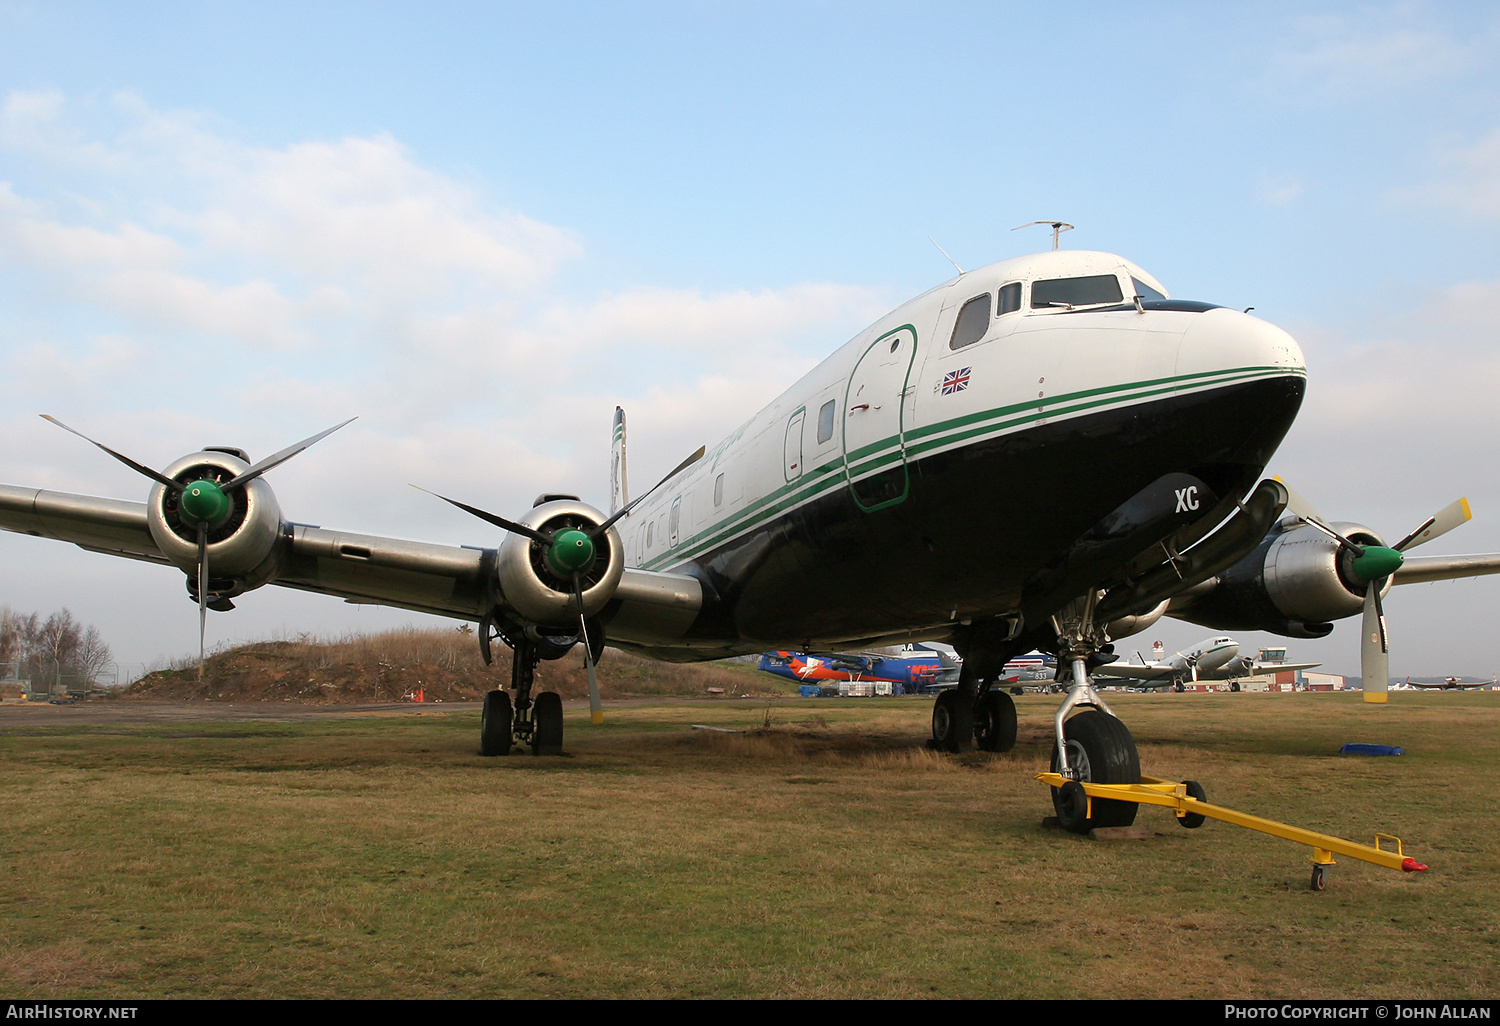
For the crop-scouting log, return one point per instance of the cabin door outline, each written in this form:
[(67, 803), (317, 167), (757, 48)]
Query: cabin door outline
[(875, 417)]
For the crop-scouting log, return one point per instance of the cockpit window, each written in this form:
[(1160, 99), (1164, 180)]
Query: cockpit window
[(1010, 298), (1066, 293), (973, 322), (1146, 291)]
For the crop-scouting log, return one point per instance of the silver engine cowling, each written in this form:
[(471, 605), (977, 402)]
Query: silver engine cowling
[(535, 590), (240, 550), (1308, 578)]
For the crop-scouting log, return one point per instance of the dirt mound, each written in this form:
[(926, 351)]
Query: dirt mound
[(444, 666)]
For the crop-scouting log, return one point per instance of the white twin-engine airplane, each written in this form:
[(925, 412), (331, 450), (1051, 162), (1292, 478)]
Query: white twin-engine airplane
[(875, 503), (1212, 659)]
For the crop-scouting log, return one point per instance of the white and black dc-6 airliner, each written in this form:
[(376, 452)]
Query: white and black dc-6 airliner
[(872, 504)]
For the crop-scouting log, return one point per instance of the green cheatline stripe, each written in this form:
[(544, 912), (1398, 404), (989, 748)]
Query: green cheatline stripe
[(1038, 409), (889, 450), (1198, 379)]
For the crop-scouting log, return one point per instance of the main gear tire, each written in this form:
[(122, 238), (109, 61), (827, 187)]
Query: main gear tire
[(547, 721), (952, 721), (1100, 751), (995, 722), (495, 721)]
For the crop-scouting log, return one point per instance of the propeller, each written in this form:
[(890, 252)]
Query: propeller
[(1372, 564), (203, 504), (571, 552)]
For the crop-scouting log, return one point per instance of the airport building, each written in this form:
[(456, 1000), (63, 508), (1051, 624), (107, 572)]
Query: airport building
[(1283, 680)]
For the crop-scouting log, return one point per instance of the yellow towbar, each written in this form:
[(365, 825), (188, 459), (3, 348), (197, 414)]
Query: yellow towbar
[(1193, 810)]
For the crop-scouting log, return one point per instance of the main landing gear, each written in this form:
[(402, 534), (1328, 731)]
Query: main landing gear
[(523, 720), (974, 713)]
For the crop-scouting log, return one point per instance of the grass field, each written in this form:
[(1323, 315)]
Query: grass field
[(825, 855)]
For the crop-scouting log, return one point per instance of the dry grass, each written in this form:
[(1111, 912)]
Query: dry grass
[(820, 852)]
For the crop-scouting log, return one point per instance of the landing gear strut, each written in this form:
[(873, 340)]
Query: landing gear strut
[(1092, 743)]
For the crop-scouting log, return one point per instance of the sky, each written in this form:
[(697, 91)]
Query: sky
[(480, 227)]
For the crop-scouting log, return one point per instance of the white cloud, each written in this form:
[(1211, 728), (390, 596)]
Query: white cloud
[(1377, 50), (185, 288), (1467, 179), (1397, 424), (1278, 190)]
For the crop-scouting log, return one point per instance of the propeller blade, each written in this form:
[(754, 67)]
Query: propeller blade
[(276, 459), (202, 591), (596, 707), (1374, 647), (490, 518), (1440, 523), (1297, 503), (694, 458), (132, 464), (1300, 506)]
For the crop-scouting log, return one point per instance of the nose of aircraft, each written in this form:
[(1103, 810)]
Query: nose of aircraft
[(1228, 340)]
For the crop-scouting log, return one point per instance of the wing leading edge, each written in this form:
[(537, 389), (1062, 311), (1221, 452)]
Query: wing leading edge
[(456, 581)]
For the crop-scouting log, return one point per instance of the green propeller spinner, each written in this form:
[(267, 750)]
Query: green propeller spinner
[(204, 502), (1376, 562), (571, 551)]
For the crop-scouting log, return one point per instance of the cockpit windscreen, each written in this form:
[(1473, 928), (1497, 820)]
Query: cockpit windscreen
[(1070, 292)]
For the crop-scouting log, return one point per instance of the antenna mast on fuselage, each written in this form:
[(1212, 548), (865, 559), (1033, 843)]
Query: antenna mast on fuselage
[(1058, 227)]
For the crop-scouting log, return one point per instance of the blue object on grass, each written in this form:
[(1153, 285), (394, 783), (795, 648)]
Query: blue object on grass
[(1358, 749), (808, 690)]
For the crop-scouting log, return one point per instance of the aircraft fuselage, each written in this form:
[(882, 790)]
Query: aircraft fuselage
[(876, 499)]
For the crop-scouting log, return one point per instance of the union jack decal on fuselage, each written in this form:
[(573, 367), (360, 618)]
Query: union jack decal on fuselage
[(956, 381)]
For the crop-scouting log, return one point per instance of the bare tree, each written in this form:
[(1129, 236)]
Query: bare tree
[(93, 657), (51, 649)]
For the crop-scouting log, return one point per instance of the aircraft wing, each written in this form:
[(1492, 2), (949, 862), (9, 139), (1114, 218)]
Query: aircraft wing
[(113, 526), (448, 580), (1138, 671), (1264, 668), (1418, 569)]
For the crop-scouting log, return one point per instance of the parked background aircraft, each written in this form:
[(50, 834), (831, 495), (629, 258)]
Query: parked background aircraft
[(1450, 684), (915, 667), (1212, 659)]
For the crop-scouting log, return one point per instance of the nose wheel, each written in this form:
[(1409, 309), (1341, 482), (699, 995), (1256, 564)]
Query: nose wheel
[(1100, 750)]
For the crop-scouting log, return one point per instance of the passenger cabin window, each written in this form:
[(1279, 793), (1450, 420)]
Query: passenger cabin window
[(973, 322), (1145, 291), (825, 422), (719, 490), (1010, 298), (1066, 293)]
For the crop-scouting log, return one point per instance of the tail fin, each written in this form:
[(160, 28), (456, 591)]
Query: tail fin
[(619, 490)]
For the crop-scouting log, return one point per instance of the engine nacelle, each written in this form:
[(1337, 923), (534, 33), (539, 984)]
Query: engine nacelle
[(534, 587), (1308, 577), (241, 549), (1296, 583)]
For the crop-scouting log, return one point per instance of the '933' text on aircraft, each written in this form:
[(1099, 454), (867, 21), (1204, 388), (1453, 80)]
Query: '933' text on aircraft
[(872, 504)]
